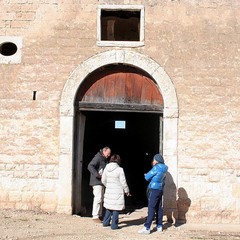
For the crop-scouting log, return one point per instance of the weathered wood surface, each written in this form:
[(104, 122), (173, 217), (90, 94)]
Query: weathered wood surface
[(121, 90)]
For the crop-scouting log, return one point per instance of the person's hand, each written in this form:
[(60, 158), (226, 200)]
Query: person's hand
[(128, 194), (99, 176)]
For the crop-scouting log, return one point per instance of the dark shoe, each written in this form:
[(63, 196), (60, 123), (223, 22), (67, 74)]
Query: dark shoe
[(106, 225), (115, 228)]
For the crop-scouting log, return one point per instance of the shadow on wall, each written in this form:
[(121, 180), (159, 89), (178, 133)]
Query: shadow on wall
[(175, 202)]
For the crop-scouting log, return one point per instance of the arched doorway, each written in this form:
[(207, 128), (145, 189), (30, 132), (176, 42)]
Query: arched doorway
[(111, 94), (170, 115)]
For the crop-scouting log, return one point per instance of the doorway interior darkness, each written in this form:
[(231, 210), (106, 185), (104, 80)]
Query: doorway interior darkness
[(136, 145)]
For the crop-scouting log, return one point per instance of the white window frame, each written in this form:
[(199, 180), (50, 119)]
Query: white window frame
[(120, 43)]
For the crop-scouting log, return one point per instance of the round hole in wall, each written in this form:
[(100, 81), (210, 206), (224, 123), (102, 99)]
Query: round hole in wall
[(8, 48)]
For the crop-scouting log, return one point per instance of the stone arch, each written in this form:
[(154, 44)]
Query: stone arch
[(170, 114)]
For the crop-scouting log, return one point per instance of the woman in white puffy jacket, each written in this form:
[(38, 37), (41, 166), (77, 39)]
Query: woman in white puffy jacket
[(113, 178)]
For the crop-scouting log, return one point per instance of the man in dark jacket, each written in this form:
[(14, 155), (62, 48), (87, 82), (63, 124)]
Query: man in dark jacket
[(96, 167)]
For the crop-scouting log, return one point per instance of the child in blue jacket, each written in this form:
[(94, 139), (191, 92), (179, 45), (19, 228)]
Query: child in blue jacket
[(156, 176)]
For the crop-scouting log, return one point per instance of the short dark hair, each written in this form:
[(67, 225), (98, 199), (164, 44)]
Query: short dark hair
[(106, 148), (115, 158)]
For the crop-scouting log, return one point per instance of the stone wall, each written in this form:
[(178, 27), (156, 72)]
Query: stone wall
[(195, 42)]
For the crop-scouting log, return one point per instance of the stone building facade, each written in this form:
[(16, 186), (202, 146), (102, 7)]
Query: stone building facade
[(190, 48)]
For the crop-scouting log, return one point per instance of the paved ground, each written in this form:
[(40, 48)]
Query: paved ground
[(19, 225)]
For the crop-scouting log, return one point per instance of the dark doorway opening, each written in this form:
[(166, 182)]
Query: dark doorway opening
[(136, 144)]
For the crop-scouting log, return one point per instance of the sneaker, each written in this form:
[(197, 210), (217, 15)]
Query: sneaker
[(144, 231), (159, 228), (97, 220)]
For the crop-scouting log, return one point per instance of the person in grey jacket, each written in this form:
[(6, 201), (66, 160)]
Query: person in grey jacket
[(115, 182), (96, 167)]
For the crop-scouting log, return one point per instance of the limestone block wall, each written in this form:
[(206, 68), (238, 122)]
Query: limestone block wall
[(195, 42), (198, 46)]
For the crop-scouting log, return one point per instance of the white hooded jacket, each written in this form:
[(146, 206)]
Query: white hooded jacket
[(114, 180)]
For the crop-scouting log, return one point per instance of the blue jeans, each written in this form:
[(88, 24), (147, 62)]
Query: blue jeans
[(154, 205), (111, 215)]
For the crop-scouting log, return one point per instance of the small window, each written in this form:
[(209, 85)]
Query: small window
[(10, 49), (120, 124), (120, 25)]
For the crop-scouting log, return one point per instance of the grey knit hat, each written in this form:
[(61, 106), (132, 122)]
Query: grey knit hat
[(158, 158)]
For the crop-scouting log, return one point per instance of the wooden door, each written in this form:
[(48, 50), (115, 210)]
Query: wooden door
[(120, 88)]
